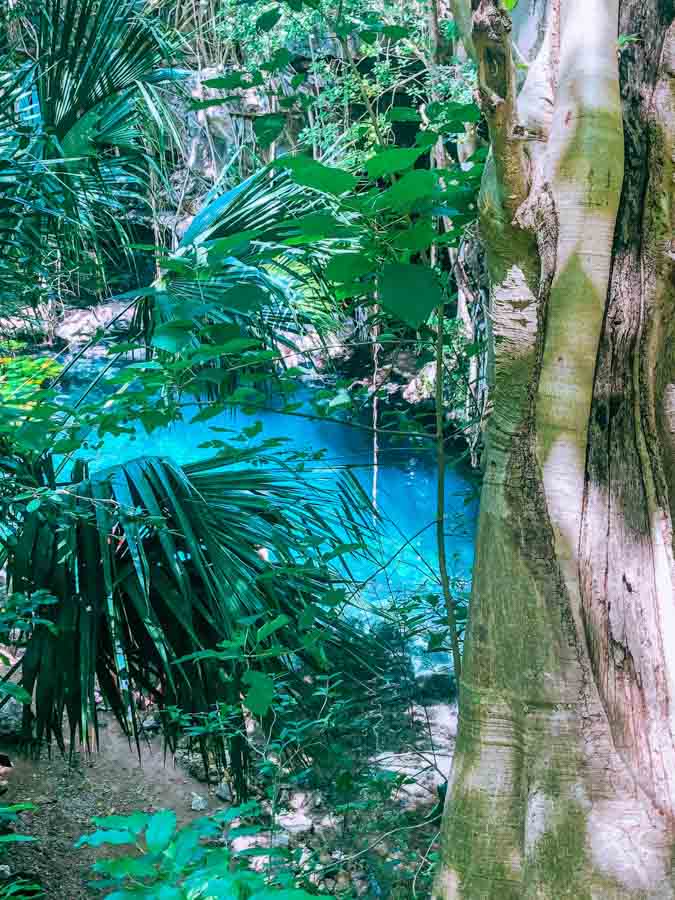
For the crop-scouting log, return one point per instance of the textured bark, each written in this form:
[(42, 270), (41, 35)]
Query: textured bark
[(472, 294), (563, 783)]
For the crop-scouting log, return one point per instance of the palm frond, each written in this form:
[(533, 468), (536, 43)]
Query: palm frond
[(71, 138), (249, 259), (158, 563)]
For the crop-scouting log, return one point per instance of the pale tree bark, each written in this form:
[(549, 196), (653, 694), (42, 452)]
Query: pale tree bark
[(563, 783)]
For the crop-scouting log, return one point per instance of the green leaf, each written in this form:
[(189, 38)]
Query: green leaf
[(333, 597), (369, 36), (437, 641), (347, 267), (135, 822), (284, 894), (10, 811), (172, 336), (395, 32), (14, 690), (403, 114), (510, 5), (33, 505), (16, 838), (100, 838), (395, 159), (168, 892), (233, 80), (270, 627), (410, 292), (418, 237), (268, 19), (452, 115), (261, 692), (308, 172), (279, 61), (412, 188), (317, 226), (161, 828), (126, 866), (268, 127)]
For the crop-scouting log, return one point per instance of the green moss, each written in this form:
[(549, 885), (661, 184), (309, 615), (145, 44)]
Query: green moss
[(559, 860), (551, 781), (478, 847)]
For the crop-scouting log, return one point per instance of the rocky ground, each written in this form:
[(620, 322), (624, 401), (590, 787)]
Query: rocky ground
[(67, 793)]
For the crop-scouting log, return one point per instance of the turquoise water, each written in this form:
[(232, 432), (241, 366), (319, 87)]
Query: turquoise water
[(405, 537)]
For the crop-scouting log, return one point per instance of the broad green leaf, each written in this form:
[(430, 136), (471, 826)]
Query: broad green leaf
[(268, 127), (161, 828), (318, 226), (347, 267), (127, 866), (130, 894), (233, 80), (395, 159), (16, 838), (15, 690), (101, 838), (310, 173), (395, 32), (211, 102), (418, 237), (283, 894), (510, 5), (409, 292), (279, 61), (135, 822), (261, 692), (411, 188), (168, 892), (172, 336), (403, 114), (333, 597), (268, 19), (270, 627), (453, 115), (437, 641)]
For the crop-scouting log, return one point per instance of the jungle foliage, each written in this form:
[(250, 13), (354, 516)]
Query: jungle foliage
[(219, 589)]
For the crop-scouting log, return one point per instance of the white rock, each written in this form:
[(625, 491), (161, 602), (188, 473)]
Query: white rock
[(199, 803)]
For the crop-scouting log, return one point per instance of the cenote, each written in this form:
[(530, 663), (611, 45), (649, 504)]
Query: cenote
[(404, 556)]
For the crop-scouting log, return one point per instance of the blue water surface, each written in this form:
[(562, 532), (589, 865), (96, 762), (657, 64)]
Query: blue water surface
[(405, 536)]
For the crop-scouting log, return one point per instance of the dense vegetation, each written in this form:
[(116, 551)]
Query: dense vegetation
[(248, 195), (417, 226)]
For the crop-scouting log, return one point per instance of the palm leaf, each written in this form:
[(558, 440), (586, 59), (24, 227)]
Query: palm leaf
[(159, 563), (71, 139), (248, 261)]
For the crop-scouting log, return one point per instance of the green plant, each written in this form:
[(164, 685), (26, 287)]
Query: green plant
[(9, 815), (78, 93), (153, 563), (190, 863)]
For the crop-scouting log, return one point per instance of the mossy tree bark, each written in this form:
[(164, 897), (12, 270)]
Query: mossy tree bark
[(563, 783)]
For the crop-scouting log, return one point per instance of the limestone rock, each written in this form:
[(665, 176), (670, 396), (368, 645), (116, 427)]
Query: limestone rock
[(199, 803)]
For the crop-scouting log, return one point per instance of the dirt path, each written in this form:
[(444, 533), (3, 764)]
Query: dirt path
[(68, 795)]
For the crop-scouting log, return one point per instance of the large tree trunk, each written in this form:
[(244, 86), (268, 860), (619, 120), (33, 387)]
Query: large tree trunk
[(563, 783)]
